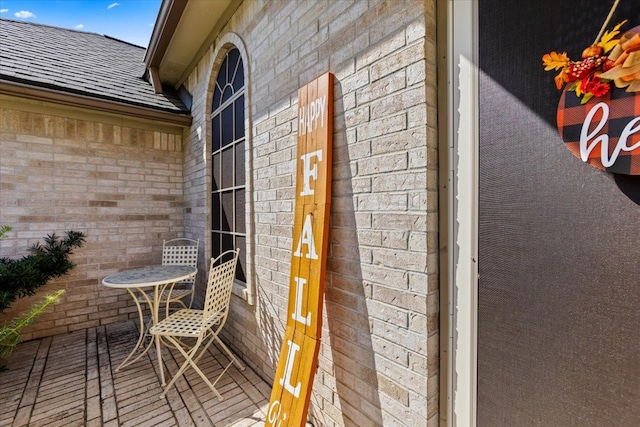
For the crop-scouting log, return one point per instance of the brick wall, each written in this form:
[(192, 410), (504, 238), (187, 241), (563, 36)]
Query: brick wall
[(118, 181), (379, 358)]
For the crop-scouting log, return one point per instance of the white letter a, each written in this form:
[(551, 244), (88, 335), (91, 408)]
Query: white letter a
[(307, 238)]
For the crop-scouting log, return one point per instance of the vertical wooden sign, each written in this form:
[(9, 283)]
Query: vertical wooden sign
[(299, 354)]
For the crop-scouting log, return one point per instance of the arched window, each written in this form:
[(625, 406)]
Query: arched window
[(228, 228)]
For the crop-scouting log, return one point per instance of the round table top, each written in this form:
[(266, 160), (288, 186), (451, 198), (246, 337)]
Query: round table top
[(149, 276)]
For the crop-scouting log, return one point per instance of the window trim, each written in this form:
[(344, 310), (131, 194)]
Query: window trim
[(226, 43), (461, 148)]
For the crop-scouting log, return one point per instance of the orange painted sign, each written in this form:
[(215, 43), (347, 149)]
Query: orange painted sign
[(299, 354)]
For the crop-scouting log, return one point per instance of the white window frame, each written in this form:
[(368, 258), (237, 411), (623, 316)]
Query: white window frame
[(223, 45)]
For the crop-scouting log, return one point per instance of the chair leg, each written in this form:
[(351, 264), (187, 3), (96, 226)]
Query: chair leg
[(172, 301), (231, 356), (144, 329), (214, 336), (160, 364), (206, 380), (188, 358), (166, 308), (192, 361), (191, 297), (204, 348)]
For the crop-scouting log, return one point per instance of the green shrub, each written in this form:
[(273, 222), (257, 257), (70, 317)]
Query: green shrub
[(22, 277), (10, 332)]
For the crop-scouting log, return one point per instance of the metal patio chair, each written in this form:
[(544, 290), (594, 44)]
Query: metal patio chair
[(202, 325), (180, 251)]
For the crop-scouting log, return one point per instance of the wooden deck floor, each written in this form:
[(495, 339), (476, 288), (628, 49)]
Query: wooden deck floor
[(70, 380)]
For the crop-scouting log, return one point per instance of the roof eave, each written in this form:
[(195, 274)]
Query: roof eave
[(165, 25), (183, 32), (79, 101)]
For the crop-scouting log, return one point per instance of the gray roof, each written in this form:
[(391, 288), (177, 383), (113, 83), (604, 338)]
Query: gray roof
[(80, 63)]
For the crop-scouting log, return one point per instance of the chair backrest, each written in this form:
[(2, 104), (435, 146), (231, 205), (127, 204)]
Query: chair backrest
[(221, 275), (181, 251)]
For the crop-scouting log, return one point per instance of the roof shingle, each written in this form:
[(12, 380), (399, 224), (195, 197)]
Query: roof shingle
[(80, 63)]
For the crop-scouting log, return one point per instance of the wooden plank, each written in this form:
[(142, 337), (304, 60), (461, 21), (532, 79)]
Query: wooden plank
[(292, 389), (306, 281), (299, 353)]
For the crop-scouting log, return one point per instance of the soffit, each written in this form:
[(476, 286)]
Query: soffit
[(198, 23)]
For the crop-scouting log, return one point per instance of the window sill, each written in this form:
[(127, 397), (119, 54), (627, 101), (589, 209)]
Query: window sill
[(242, 291)]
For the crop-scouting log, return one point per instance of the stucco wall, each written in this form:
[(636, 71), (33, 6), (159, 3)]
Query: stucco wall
[(116, 180), (379, 360)]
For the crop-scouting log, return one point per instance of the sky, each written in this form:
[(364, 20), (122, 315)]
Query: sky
[(128, 20)]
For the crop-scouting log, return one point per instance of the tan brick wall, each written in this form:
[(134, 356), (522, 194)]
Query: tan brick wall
[(118, 181), (379, 358)]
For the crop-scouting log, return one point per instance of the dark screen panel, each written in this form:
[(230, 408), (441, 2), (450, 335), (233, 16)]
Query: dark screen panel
[(238, 70), (227, 166), (559, 286), (216, 244), (227, 210), (216, 171), (215, 133), (227, 125), (240, 160), (239, 211), (216, 209), (227, 243), (238, 106)]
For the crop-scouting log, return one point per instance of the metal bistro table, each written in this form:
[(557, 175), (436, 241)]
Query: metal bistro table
[(158, 277)]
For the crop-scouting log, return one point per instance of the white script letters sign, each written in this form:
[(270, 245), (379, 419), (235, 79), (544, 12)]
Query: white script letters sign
[(603, 132)]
